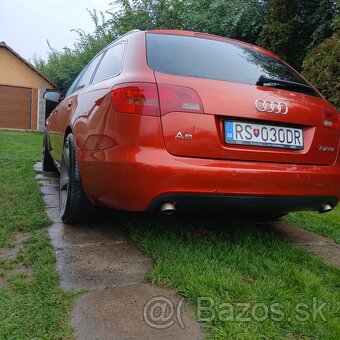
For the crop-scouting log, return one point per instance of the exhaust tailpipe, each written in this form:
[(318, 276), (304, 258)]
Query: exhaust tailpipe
[(168, 208), (325, 208)]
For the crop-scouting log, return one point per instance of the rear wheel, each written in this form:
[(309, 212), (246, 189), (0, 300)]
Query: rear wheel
[(73, 203), (47, 161)]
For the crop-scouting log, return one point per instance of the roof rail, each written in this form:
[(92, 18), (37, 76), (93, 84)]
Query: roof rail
[(127, 33), (121, 36)]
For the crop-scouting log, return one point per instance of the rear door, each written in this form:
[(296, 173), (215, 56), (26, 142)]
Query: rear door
[(68, 106)]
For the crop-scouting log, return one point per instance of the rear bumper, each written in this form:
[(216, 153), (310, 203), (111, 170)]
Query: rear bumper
[(140, 178), (239, 204)]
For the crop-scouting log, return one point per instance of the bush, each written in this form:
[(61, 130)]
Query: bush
[(322, 67)]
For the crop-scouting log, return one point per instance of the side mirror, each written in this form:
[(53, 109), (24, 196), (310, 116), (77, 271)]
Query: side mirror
[(53, 96)]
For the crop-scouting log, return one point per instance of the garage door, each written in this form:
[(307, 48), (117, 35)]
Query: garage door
[(15, 107)]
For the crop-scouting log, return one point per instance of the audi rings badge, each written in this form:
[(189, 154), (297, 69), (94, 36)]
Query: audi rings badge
[(271, 107)]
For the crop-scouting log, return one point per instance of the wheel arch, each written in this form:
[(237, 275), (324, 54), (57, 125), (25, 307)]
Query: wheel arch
[(47, 139)]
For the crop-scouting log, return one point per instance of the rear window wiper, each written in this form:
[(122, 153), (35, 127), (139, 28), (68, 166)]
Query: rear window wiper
[(266, 80)]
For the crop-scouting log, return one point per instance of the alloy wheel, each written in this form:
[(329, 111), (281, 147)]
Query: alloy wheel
[(64, 178)]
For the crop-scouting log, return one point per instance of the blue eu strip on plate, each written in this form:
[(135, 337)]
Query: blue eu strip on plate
[(229, 135)]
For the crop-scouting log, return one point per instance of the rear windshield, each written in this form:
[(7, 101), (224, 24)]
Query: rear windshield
[(212, 59)]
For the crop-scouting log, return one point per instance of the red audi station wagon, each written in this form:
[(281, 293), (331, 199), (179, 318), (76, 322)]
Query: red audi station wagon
[(183, 121)]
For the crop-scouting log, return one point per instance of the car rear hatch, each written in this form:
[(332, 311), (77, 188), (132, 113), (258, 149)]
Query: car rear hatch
[(216, 106)]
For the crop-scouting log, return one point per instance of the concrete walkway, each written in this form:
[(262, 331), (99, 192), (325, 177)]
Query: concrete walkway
[(102, 259)]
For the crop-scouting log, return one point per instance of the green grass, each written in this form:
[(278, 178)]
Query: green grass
[(234, 263), (324, 224), (21, 206), (33, 307), (231, 263)]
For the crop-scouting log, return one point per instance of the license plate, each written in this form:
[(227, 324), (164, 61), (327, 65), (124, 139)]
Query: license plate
[(263, 135)]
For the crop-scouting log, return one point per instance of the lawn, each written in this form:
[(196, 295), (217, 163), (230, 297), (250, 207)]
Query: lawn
[(31, 306), (324, 224), (242, 281), (22, 208)]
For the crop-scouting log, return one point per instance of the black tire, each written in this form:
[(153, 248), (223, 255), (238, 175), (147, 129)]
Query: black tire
[(47, 161), (73, 203)]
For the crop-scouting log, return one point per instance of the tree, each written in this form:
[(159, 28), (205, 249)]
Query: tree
[(322, 65), (148, 14), (238, 19), (294, 27), (312, 25), (277, 33), (63, 66), (289, 28)]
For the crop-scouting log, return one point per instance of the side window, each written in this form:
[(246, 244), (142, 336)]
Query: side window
[(73, 86), (87, 75), (111, 63)]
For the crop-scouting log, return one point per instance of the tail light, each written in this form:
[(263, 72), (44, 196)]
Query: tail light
[(331, 117), (138, 98), (142, 99), (179, 99)]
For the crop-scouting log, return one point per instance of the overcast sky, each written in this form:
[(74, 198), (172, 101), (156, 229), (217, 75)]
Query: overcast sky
[(25, 25)]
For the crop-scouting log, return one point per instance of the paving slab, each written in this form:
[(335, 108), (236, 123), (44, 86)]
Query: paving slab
[(45, 175), (51, 202), (309, 241), (49, 182), (99, 266), (38, 166), (50, 190), (53, 213), (64, 236), (129, 312)]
